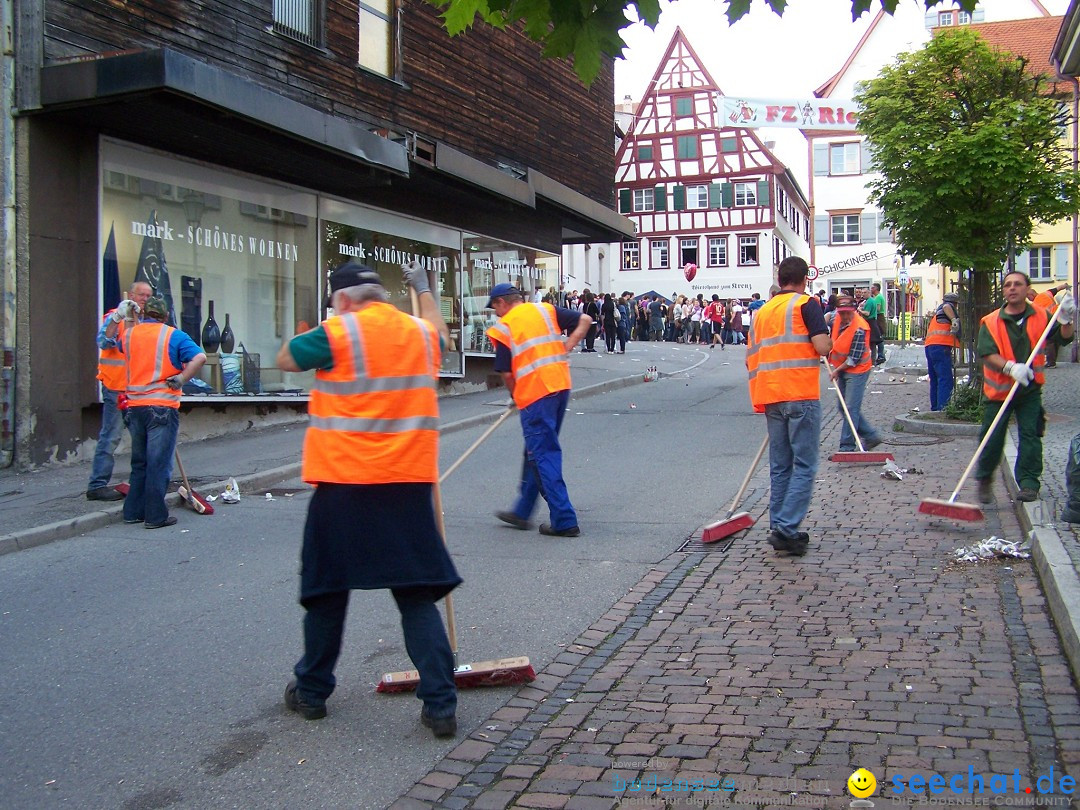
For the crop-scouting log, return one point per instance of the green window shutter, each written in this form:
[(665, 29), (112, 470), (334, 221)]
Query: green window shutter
[(727, 195), (684, 106), (729, 145), (644, 153), (660, 199), (687, 147), (678, 198), (763, 193), (715, 200), (626, 201)]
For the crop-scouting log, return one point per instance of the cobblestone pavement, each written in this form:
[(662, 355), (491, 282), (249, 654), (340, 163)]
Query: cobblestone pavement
[(770, 679)]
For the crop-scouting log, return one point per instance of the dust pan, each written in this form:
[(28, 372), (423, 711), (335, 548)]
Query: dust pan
[(860, 456), (735, 521)]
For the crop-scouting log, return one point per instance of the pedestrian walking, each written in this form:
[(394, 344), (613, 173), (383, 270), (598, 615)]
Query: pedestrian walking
[(942, 337), (371, 451), (1006, 338), (788, 338), (610, 316), (870, 310), (657, 312), (624, 308), (113, 382), (530, 354), (849, 369), (158, 360)]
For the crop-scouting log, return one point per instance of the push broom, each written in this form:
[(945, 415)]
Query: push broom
[(735, 521), (190, 496), (860, 456), (957, 510)]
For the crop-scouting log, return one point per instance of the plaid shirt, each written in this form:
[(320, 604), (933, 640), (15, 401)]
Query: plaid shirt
[(858, 345)]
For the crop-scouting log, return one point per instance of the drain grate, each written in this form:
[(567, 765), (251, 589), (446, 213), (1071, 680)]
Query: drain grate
[(693, 543)]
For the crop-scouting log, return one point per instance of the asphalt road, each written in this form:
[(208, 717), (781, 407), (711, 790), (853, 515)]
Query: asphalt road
[(145, 669)]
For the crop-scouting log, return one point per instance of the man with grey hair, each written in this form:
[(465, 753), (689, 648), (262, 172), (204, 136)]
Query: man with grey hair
[(371, 451)]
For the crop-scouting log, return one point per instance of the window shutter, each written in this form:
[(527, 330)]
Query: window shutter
[(978, 15), (626, 200), (1061, 262), (821, 229), (729, 145), (868, 227), (763, 193), (678, 198), (1023, 261), (930, 21), (867, 158), (715, 199), (821, 159), (727, 195), (884, 231), (660, 198)]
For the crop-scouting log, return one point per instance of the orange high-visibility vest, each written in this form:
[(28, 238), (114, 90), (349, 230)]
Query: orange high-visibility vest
[(939, 333), (783, 363), (538, 354), (841, 344), (147, 366), (110, 369), (374, 416), (996, 384), (1045, 300)]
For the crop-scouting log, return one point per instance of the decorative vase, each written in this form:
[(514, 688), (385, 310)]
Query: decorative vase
[(228, 339), (211, 335)]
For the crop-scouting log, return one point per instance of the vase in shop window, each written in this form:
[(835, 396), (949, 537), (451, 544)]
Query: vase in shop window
[(228, 339), (211, 334)]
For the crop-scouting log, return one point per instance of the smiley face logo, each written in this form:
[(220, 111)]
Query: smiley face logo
[(861, 783)]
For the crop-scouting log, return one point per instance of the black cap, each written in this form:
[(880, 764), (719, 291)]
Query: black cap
[(352, 274)]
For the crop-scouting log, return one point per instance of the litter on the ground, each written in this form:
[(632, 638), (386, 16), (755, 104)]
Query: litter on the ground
[(892, 471), (232, 492), (269, 496), (992, 548), (924, 378)]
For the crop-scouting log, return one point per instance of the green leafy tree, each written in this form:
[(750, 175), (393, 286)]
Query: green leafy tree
[(970, 153), (589, 31)]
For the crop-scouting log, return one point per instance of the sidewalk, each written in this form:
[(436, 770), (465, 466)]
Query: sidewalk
[(733, 675), (49, 504)]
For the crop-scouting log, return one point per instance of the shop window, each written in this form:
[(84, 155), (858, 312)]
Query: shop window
[(745, 194), (631, 256), (301, 20), (658, 249), (377, 36), (748, 250), (718, 251), (844, 229)]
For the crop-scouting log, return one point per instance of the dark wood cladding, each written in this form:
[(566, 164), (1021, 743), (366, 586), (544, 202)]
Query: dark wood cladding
[(486, 92)]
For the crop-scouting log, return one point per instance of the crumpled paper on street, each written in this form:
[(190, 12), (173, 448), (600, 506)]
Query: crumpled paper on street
[(232, 492), (993, 548), (893, 472)]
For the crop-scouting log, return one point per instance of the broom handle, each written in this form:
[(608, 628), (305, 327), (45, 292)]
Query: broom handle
[(847, 415), (749, 475), (477, 443), (451, 625), (1001, 411), (183, 475)]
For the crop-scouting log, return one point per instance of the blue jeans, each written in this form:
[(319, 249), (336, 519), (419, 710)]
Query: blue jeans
[(153, 431), (939, 364), (541, 472), (794, 432), (853, 387), (425, 641), (112, 423)]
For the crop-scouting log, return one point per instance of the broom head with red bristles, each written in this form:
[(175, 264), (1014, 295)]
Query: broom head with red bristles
[(500, 672), (863, 457), (123, 489), (954, 510), (727, 527), (195, 500)]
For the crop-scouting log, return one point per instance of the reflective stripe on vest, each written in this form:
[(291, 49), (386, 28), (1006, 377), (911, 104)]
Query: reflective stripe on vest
[(939, 332), (842, 340), (146, 351), (374, 416), (111, 361), (996, 384), (781, 360), (537, 351)]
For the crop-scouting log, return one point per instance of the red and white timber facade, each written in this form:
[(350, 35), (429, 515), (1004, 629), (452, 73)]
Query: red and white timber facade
[(701, 192)]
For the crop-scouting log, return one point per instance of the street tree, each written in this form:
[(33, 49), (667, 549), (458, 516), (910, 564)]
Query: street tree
[(971, 155), (589, 31)]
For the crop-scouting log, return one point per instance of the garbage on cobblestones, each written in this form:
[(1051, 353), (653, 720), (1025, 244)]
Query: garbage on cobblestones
[(232, 492), (992, 548), (651, 374), (893, 472), (924, 378)]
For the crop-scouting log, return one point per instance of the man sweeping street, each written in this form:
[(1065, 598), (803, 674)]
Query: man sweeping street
[(371, 451), (530, 353), (787, 339), (1006, 338), (849, 367)]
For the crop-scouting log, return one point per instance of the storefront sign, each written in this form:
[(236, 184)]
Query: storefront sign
[(814, 113), (848, 264)]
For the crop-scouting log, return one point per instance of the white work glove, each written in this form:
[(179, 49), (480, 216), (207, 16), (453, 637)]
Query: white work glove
[(1067, 309), (1019, 372), (954, 326), (129, 309), (175, 382), (417, 277)]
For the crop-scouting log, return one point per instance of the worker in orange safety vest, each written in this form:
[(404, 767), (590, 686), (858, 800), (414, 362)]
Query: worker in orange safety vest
[(849, 368), (1047, 300), (941, 338)]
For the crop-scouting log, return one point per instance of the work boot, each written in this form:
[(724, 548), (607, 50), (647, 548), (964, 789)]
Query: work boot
[(986, 490), (104, 494), (1027, 494), (513, 520), (440, 726), (870, 444), (295, 702), (572, 531)]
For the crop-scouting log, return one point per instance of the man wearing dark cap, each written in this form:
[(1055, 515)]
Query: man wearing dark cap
[(530, 353), (371, 451), (158, 360)]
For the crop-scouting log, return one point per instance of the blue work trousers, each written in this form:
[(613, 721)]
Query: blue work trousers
[(153, 430), (541, 472), (939, 364), (794, 431), (853, 387), (112, 425), (426, 643)]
